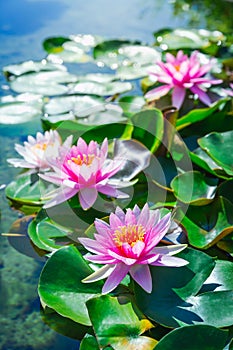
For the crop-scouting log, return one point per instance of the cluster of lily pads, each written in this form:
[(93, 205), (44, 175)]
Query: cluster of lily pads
[(128, 192)]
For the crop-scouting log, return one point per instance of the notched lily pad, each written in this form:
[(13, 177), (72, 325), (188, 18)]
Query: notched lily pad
[(207, 225), (219, 146), (203, 189)]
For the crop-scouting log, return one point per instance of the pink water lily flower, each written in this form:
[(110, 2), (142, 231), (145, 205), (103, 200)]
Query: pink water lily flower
[(180, 73), (128, 244), (37, 151), (85, 170)]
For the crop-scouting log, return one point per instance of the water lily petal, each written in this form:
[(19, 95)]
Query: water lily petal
[(92, 245), (178, 96), (116, 276), (171, 261), (169, 250), (101, 273), (101, 259), (61, 196), (201, 94), (158, 92), (125, 260), (141, 274), (87, 197)]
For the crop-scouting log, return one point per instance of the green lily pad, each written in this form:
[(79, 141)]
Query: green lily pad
[(204, 161), (226, 244), (196, 115), (133, 71), (175, 299), (24, 191), (219, 146), (116, 324), (194, 337), (116, 53), (60, 286), (220, 277), (63, 325), (89, 342), (209, 225), (46, 234), (131, 104), (94, 88), (19, 112), (98, 77), (203, 188), (148, 128), (186, 39)]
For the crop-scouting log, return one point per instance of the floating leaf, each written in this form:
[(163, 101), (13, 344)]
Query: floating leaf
[(31, 66), (94, 88), (46, 234), (207, 225), (80, 106), (89, 342), (174, 300), (116, 323), (26, 191), (63, 325), (220, 277), (219, 146), (203, 188), (186, 39), (196, 115), (148, 128), (194, 337), (131, 104), (60, 285), (18, 112)]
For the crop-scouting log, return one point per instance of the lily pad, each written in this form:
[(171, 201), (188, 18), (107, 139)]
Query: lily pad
[(46, 234), (115, 53), (94, 88), (203, 188), (116, 324), (25, 191), (31, 66), (175, 299), (60, 286), (207, 225), (18, 112), (186, 39), (219, 146), (80, 106), (194, 337)]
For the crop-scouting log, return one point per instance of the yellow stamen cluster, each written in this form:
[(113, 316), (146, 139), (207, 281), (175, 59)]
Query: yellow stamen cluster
[(177, 67), (130, 234), (84, 159), (41, 146)]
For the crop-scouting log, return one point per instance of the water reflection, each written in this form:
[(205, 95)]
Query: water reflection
[(20, 17)]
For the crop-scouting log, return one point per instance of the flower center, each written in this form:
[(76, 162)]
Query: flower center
[(82, 159), (41, 146), (130, 234), (177, 67)]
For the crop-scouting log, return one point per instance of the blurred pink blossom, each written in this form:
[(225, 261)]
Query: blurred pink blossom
[(128, 244), (180, 73)]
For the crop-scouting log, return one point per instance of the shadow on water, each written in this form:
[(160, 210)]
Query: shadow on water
[(35, 14)]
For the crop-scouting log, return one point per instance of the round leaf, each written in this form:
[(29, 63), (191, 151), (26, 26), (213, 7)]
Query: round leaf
[(194, 337), (60, 285)]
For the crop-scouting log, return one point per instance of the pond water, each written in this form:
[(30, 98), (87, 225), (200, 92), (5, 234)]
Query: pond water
[(24, 24)]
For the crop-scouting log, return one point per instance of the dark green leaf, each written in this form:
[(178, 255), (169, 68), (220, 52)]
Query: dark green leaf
[(195, 337)]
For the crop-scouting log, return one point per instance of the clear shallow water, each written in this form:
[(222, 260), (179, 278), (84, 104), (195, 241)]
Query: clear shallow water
[(24, 24)]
